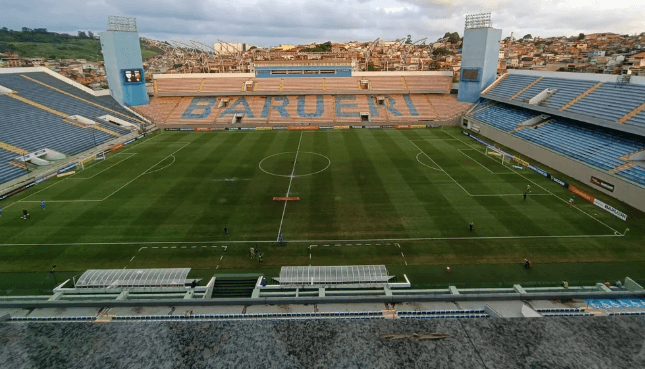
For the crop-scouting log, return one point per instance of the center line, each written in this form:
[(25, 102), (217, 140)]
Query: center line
[(293, 170)]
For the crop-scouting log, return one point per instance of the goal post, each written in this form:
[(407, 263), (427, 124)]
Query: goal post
[(95, 157), (503, 157)]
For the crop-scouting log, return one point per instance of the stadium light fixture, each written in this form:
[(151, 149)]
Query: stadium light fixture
[(480, 20), (122, 24)]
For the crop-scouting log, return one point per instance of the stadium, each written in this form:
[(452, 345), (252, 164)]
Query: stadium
[(307, 196)]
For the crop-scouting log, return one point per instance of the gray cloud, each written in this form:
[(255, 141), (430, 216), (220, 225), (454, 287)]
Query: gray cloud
[(272, 22)]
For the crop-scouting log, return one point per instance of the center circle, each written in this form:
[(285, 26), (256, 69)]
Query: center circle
[(281, 164)]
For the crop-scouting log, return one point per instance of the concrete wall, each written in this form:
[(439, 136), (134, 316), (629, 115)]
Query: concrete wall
[(122, 50), (623, 191), (480, 51), (607, 78)]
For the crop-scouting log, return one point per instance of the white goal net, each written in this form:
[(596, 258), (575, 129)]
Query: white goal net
[(497, 153)]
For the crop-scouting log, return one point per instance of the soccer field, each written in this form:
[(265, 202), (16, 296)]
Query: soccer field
[(395, 197)]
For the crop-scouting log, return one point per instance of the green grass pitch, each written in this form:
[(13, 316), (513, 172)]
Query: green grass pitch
[(403, 198)]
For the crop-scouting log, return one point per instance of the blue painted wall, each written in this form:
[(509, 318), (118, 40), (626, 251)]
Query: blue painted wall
[(480, 51), (287, 107), (341, 71), (121, 51)]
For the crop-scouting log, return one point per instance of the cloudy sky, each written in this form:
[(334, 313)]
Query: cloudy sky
[(274, 22)]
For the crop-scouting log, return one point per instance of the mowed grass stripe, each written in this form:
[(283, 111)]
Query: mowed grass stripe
[(322, 214), (227, 205), (251, 212), (170, 190), (475, 179), (69, 221), (314, 216), (262, 212), (381, 216), (351, 212), (458, 201), (186, 196), (121, 211), (405, 184), (514, 215)]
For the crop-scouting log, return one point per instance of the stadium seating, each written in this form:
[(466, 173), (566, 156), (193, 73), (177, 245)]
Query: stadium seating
[(503, 117), (610, 101), (289, 109), (637, 120), (387, 83), (57, 101), (568, 89), (32, 129), (512, 84), (106, 101), (415, 83), (302, 84), (233, 84), (9, 171), (594, 147), (636, 174)]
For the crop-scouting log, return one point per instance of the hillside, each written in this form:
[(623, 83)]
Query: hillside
[(55, 46)]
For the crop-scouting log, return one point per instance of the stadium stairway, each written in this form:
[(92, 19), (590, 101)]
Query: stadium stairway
[(622, 167), (229, 287), (13, 149)]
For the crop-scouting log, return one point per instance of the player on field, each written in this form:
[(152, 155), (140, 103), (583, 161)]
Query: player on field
[(42, 205), (225, 230), (571, 201), (471, 226), (0, 212)]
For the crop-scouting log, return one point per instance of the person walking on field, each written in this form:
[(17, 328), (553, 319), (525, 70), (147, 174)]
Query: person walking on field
[(471, 226), (42, 205), (225, 230)]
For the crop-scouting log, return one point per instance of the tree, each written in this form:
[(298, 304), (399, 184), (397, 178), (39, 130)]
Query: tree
[(581, 36), (440, 51), (25, 29), (90, 34), (81, 34), (527, 37), (408, 40), (452, 37)]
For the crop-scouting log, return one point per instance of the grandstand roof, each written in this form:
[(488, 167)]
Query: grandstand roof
[(357, 274), (116, 278)]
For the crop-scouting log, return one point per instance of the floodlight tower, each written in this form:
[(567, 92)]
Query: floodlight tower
[(123, 62), (480, 54)]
